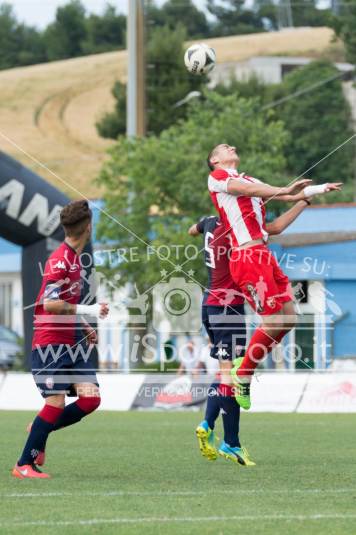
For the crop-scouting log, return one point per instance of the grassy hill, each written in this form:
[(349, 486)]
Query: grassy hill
[(48, 111)]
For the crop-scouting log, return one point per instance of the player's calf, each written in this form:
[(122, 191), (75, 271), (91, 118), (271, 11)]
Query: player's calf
[(75, 412)]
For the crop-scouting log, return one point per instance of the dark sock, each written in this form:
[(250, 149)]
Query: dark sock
[(42, 425), (230, 411), (212, 410), (74, 412), (71, 415)]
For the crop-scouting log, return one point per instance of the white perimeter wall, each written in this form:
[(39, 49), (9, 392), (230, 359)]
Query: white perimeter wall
[(272, 392)]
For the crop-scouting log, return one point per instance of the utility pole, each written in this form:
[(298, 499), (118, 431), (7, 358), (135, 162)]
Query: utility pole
[(136, 108), (285, 14)]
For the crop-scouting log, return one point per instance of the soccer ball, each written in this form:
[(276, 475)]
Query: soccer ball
[(200, 58)]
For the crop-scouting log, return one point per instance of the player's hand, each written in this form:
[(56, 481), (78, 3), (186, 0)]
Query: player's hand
[(297, 186), (333, 186), (104, 310), (90, 335)]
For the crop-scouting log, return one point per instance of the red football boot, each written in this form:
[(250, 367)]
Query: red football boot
[(28, 471)]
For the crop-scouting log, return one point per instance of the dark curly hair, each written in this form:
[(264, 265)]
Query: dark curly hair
[(75, 217)]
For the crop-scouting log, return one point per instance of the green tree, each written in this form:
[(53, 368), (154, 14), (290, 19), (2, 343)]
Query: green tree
[(232, 18), (105, 32), (167, 83), (9, 42), (64, 37), (32, 49), (188, 15), (172, 12), (306, 13), (19, 44), (345, 28), (318, 121), (113, 123), (157, 185)]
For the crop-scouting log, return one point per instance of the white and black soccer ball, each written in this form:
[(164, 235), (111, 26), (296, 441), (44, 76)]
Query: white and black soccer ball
[(200, 58)]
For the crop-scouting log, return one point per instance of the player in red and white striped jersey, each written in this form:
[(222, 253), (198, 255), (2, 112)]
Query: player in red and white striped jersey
[(240, 199)]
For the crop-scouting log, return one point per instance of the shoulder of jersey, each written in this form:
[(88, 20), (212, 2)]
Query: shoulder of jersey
[(219, 174), (57, 259)]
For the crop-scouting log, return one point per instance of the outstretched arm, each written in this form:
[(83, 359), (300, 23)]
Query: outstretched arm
[(284, 220), (310, 191), (259, 189)]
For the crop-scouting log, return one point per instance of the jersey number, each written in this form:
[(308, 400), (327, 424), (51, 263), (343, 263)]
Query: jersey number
[(210, 258)]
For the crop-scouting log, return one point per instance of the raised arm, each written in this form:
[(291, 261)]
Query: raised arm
[(259, 189), (284, 220), (310, 191)]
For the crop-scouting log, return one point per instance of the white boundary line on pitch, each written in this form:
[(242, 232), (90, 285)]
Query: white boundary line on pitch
[(180, 519), (123, 493)]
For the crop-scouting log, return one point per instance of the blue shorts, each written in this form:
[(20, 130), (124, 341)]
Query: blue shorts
[(226, 329), (56, 368)]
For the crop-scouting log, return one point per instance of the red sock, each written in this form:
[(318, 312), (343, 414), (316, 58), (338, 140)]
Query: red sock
[(88, 404), (50, 414), (260, 344)]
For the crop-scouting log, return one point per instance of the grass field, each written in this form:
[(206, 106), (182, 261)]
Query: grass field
[(49, 111), (134, 473)]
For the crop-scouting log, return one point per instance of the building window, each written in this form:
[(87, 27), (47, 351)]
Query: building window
[(5, 304)]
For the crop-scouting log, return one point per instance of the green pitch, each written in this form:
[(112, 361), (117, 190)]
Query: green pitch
[(142, 473)]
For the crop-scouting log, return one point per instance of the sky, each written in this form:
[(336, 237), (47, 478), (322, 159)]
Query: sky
[(41, 12)]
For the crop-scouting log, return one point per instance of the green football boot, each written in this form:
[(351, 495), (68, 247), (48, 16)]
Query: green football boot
[(242, 389), (237, 455)]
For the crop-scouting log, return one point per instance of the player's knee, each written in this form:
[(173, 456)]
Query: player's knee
[(89, 404), (56, 401)]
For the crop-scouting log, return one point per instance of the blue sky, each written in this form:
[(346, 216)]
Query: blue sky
[(40, 12)]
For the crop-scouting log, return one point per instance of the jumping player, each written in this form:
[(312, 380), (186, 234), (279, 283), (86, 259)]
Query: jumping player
[(224, 321), (58, 365), (239, 199)]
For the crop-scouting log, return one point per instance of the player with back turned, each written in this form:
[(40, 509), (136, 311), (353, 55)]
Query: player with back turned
[(60, 355), (240, 202)]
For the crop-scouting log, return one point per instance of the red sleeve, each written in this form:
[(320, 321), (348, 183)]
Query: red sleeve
[(56, 269), (220, 174)]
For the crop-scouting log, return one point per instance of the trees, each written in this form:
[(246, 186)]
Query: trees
[(19, 44), (64, 37), (232, 17), (167, 79), (112, 124), (104, 32), (345, 28), (318, 121), (156, 186), (167, 83), (188, 15), (306, 13)]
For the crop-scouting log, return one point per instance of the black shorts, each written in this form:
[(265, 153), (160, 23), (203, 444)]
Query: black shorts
[(226, 329), (57, 368)]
